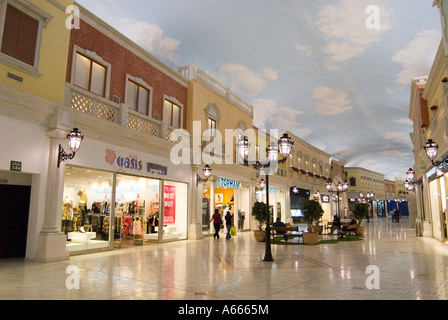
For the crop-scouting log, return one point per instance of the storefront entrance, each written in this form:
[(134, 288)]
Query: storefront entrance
[(224, 194), (14, 212), (105, 210)]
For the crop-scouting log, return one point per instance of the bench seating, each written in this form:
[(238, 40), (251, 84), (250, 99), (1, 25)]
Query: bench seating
[(286, 231), (351, 228)]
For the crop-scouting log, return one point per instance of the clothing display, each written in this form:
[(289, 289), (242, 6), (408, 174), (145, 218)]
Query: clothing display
[(67, 209), (137, 227), (88, 206)]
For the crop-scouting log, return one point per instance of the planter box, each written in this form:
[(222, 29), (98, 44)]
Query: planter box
[(310, 238), (260, 235)]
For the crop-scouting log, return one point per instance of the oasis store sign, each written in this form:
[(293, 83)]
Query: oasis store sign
[(132, 163)]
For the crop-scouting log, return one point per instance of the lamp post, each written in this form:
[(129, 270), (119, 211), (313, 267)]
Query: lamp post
[(370, 196), (284, 147), (340, 188)]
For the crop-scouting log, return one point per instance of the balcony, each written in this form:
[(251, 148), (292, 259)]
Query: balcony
[(192, 72), (108, 111)]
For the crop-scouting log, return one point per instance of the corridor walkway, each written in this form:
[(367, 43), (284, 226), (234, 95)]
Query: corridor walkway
[(409, 268)]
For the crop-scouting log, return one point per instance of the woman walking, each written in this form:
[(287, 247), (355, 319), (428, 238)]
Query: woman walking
[(216, 218)]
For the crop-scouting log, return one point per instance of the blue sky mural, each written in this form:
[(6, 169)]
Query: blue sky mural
[(335, 73)]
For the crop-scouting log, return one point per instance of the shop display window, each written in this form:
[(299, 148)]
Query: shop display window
[(136, 210), (86, 208), (175, 210), (435, 209)]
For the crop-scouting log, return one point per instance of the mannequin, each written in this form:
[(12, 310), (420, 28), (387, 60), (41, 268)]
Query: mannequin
[(83, 205), (67, 215)]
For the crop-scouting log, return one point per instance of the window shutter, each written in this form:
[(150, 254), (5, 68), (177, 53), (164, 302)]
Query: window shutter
[(27, 45), (20, 35), (11, 31)]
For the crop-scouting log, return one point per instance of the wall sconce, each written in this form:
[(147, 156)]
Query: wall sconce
[(431, 151), (410, 183), (74, 142), (207, 173)]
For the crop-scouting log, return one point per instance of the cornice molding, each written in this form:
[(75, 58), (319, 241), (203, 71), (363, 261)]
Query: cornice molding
[(25, 106)]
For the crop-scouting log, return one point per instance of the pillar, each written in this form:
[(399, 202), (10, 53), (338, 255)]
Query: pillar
[(195, 232), (51, 242)]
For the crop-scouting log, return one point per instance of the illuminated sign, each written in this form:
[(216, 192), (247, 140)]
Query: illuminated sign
[(227, 183), (132, 163)]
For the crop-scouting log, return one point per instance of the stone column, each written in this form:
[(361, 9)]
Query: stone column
[(51, 244), (426, 208), (196, 208)]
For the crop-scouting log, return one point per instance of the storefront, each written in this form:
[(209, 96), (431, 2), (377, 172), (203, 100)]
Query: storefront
[(438, 184), (116, 198), (298, 198), (224, 193), (325, 203), (277, 202)]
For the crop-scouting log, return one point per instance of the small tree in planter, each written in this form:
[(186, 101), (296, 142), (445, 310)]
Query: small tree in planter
[(312, 211), (259, 213), (360, 212)]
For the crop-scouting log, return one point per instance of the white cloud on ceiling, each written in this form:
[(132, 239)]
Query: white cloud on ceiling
[(151, 38), (285, 119), (343, 26), (305, 49), (418, 56), (398, 137), (330, 101), (244, 81), (269, 114), (263, 110)]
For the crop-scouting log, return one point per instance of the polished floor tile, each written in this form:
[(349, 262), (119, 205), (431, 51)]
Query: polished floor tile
[(402, 266)]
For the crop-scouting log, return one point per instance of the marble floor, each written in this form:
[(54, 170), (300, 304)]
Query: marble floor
[(390, 263)]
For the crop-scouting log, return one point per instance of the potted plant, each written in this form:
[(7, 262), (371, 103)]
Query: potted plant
[(312, 212), (360, 212), (259, 213)]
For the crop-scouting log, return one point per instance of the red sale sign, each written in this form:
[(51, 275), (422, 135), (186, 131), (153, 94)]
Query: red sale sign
[(169, 199)]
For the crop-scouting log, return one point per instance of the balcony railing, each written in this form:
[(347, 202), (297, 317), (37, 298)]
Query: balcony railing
[(103, 109), (192, 72)]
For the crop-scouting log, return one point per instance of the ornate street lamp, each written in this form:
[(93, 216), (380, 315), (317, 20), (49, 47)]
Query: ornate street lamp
[(410, 183), (74, 143), (284, 147), (340, 188), (207, 173), (410, 174), (431, 151), (370, 196)]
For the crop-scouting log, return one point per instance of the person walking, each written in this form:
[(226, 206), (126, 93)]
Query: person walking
[(228, 218), (216, 218)]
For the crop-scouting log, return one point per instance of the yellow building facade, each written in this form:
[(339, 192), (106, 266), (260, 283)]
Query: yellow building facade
[(33, 122), (45, 77)]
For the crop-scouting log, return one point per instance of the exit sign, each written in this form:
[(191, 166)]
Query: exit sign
[(16, 166)]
